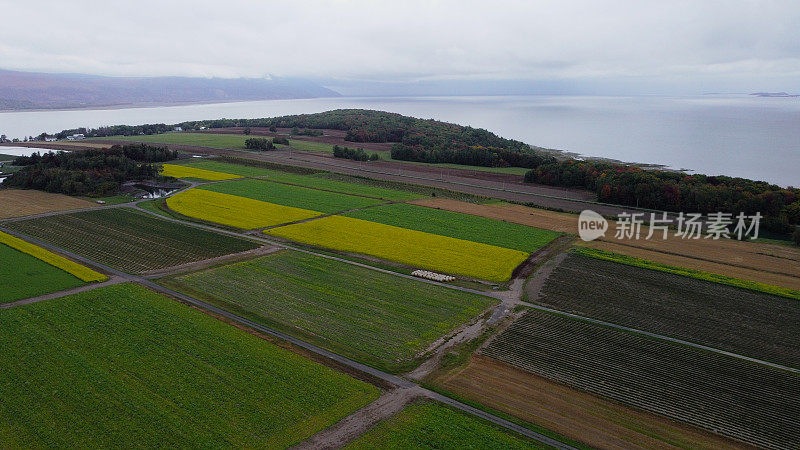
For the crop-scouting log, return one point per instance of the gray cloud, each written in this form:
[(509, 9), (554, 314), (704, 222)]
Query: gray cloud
[(750, 41)]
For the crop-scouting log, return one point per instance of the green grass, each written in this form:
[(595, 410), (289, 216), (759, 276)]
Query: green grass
[(691, 273), (298, 197), (24, 276), (460, 226), (375, 318), (316, 181), (130, 240), (123, 366), (7, 157), (433, 425), (310, 146), (234, 141)]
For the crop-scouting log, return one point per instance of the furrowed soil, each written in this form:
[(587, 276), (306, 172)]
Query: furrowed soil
[(742, 321), (765, 263), (741, 399), (574, 414), (19, 203)]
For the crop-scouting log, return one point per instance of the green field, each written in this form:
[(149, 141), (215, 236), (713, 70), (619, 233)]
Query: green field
[(234, 141), (317, 181), (23, 276), (298, 197), (130, 240), (433, 425), (123, 366), (376, 318), (310, 146), (460, 226)]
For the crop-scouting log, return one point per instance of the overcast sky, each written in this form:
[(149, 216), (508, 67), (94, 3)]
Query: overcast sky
[(731, 44)]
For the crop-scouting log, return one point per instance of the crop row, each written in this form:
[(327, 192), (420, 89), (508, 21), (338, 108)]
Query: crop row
[(122, 366), (691, 273), (742, 321), (459, 226), (410, 247), (373, 317), (71, 267), (129, 240), (294, 196), (737, 398), (234, 211), (179, 171)]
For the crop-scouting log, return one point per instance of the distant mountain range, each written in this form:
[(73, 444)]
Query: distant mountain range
[(30, 90)]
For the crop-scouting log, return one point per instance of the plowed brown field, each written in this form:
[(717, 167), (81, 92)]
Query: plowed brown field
[(577, 415), (18, 203)]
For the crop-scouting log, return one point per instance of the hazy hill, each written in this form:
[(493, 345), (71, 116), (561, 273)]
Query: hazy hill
[(28, 90)]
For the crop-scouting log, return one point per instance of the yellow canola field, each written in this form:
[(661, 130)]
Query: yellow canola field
[(410, 247), (81, 272), (174, 170), (234, 211)]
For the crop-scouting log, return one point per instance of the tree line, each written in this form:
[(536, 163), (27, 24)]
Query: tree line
[(675, 191), (93, 172), (357, 154)]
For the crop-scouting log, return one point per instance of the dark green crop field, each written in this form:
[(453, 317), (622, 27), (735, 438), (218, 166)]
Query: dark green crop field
[(743, 321), (460, 226), (731, 396), (130, 240), (372, 317), (298, 197), (432, 425), (316, 181), (23, 276), (123, 366)]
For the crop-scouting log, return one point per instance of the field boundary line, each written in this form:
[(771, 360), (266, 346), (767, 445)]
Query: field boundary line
[(659, 336)]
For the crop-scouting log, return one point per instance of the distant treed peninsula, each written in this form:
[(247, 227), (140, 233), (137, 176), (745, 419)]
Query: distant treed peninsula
[(433, 141)]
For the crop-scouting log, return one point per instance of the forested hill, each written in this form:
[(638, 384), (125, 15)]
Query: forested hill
[(425, 140)]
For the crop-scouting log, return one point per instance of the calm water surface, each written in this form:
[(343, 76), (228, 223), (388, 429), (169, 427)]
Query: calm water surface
[(736, 135)]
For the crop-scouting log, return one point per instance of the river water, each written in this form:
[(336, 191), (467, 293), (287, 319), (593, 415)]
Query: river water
[(737, 135)]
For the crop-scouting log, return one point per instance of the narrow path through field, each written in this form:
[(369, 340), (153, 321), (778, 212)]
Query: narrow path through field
[(358, 423), (112, 280)]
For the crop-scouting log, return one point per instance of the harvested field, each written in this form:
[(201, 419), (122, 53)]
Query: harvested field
[(24, 276), (178, 171), (718, 266), (574, 414), (129, 240), (19, 203), (414, 248), (459, 226), (122, 366), (433, 425), (234, 211), (736, 398), (372, 317), (293, 196), (765, 263), (742, 321)]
